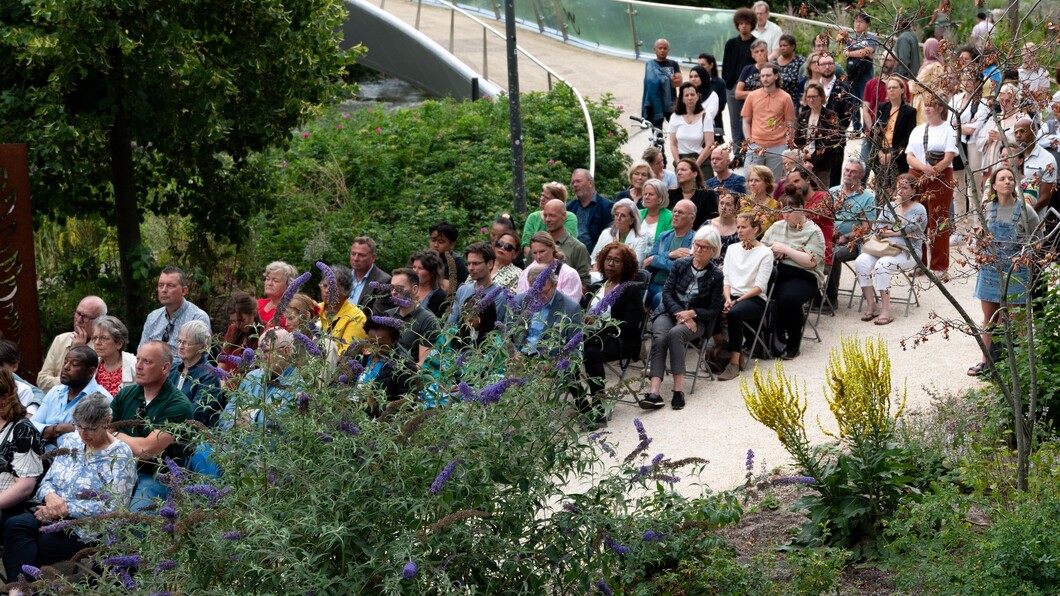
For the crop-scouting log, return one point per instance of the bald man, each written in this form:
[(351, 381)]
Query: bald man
[(672, 245), (554, 214), (88, 310)]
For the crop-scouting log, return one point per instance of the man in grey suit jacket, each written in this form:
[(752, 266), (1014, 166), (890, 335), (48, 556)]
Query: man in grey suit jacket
[(362, 294), (558, 314)]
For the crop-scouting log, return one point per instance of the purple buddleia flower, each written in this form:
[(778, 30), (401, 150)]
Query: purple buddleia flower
[(272, 479), (356, 368), (127, 580), (229, 359), (388, 321), (610, 299), (644, 470), (571, 508), (655, 460), (175, 471), (600, 585), (443, 476), (641, 433), (466, 392), (400, 301), (246, 359), (333, 286), (289, 293), (168, 528), (307, 342), (608, 448), (212, 493), (124, 561), (653, 536), (215, 372), (303, 399), (534, 298), (56, 527), (168, 512), (235, 535), (563, 364), (167, 565), (409, 570), (572, 345), (378, 285), (668, 479), (347, 427), (795, 480), (488, 299), (750, 463), (344, 379), (31, 571), (493, 393), (616, 546)]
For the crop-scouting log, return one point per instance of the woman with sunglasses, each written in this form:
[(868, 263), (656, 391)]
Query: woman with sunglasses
[(505, 272)]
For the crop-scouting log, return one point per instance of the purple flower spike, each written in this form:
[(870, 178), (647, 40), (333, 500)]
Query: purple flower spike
[(333, 286), (212, 493), (600, 585), (229, 359), (168, 512), (88, 494), (563, 364), (750, 463), (653, 536), (215, 372), (488, 299), (655, 460), (610, 299), (124, 561), (289, 293), (493, 393), (443, 476), (795, 480), (246, 359), (127, 580), (175, 471), (377, 285), (307, 342), (466, 392), (347, 427), (234, 535), (572, 345), (303, 399), (56, 527), (643, 434), (400, 301), (409, 570), (388, 321), (167, 565), (31, 571), (356, 368), (616, 546)]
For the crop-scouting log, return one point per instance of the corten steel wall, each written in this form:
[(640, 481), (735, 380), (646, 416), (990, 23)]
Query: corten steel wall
[(19, 311)]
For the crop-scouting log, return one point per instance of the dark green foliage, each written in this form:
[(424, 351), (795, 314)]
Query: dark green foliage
[(391, 175)]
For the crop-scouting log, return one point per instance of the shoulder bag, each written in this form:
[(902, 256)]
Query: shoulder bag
[(933, 157), (877, 247)]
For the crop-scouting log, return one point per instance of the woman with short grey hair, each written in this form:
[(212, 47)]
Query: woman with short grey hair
[(94, 475), (117, 368), (278, 275), (193, 376), (625, 229)]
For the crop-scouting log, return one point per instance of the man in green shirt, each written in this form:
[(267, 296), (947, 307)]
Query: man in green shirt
[(158, 403)]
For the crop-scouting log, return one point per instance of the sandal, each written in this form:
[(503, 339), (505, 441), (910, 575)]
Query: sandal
[(978, 370), (883, 321), (868, 317)]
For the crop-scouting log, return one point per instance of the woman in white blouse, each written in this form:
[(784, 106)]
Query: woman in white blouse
[(970, 112), (748, 266), (691, 133), (625, 229), (932, 147)]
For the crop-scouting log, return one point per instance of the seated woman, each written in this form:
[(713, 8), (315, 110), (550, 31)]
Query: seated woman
[(543, 250), (655, 218), (506, 252), (243, 329), (639, 173), (193, 377), (761, 203), (725, 223), (691, 302), (625, 229), (117, 368), (278, 275), (95, 477), (20, 448), (302, 314), (385, 363), (692, 186), (609, 343), (428, 267), (798, 246), (748, 265), (341, 321), (909, 227)]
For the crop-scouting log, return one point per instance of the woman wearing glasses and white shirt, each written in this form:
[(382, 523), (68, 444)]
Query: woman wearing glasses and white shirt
[(625, 229)]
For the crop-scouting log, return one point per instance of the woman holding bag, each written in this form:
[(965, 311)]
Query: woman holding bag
[(932, 147), (901, 224)]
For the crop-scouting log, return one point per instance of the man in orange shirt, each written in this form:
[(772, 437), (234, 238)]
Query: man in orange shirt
[(768, 119)]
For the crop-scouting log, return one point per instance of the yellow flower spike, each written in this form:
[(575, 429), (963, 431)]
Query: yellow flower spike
[(775, 401), (859, 377)]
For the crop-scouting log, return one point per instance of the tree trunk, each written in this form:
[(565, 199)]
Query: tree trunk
[(126, 213)]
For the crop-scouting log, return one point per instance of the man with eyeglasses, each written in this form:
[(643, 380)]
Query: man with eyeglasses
[(88, 310), (672, 245), (840, 99), (479, 257), (855, 209), (55, 416), (1039, 166), (163, 324), (155, 403)]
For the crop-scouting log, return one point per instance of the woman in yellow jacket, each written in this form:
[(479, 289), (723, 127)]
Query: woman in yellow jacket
[(341, 321)]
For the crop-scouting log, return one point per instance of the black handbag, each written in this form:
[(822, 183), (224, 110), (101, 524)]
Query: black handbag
[(933, 157)]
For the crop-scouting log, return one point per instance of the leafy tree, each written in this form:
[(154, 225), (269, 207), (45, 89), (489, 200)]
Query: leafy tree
[(130, 105)]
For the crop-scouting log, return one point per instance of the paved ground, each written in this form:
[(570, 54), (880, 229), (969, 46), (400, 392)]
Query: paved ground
[(715, 424)]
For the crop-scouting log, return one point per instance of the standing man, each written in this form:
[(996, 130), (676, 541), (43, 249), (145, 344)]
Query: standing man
[(156, 403), (592, 209), (55, 417), (662, 77), (861, 46), (855, 209), (554, 214), (981, 31), (840, 99), (88, 310), (1039, 166), (768, 116), (737, 55), (723, 175), (363, 295), (163, 324), (765, 29), (479, 257), (907, 50)]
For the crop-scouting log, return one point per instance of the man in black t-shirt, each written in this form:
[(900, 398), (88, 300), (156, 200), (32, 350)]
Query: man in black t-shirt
[(737, 55)]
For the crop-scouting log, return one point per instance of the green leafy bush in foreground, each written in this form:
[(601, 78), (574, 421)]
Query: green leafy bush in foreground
[(391, 175)]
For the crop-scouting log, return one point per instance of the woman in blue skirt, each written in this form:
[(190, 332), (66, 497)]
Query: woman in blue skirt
[(1008, 224)]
